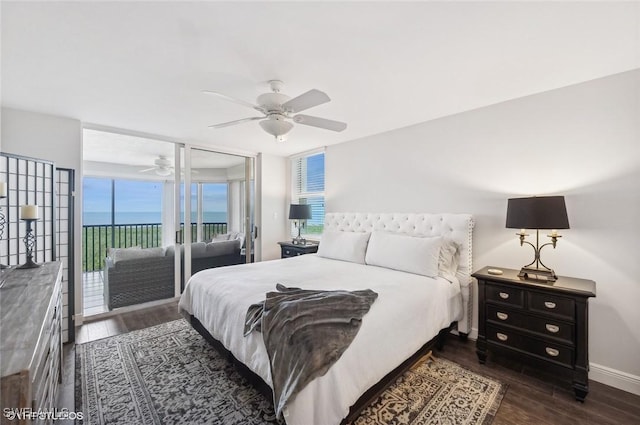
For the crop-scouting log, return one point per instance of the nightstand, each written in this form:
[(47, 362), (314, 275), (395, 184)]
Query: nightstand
[(289, 249), (546, 322)]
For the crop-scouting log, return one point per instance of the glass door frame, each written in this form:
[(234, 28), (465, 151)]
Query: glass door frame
[(183, 238), (249, 202), (182, 242)]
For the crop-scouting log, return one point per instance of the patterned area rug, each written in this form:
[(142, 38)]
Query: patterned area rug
[(168, 374)]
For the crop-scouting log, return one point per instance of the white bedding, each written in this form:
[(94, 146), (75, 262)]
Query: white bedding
[(410, 310)]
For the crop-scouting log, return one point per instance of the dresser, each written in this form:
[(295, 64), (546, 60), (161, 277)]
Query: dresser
[(289, 249), (30, 339), (542, 321)]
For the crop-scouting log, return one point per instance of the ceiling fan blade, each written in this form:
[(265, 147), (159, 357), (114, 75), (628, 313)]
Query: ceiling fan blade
[(320, 122), (227, 124), (306, 100), (146, 170), (234, 100)]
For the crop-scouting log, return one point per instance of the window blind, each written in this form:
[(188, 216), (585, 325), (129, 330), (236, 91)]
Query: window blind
[(307, 187)]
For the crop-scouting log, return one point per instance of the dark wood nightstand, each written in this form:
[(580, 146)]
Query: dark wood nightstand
[(547, 322), (289, 249)]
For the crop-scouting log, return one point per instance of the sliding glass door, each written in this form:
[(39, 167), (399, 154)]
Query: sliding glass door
[(154, 213), (214, 212)]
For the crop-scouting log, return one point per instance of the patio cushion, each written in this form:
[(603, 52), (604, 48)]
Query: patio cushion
[(120, 254), (198, 249), (223, 247)]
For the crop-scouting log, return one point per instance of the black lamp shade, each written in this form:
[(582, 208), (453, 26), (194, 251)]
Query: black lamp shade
[(538, 212), (299, 212)]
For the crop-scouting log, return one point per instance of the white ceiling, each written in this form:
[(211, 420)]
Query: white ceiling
[(140, 152), (141, 66)]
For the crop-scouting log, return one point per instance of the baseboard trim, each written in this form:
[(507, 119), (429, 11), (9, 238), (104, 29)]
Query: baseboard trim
[(603, 374), (615, 378), (473, 335)]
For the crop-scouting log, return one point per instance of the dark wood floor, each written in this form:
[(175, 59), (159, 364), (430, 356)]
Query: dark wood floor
[(535, 397), (531, 398)]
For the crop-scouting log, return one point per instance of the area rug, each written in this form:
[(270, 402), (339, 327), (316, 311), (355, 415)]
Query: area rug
[(168, 374)]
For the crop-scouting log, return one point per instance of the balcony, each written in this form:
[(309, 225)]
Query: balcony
[(96, 240)]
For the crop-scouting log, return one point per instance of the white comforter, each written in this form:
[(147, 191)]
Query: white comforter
[(409, 311)]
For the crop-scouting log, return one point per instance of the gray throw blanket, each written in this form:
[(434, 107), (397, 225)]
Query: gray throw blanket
[(305, 332)]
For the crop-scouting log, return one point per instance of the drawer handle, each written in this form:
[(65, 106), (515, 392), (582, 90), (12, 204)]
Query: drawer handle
[(502, 337), (552, 328), (552, 352), (502, 316), (549, 304), (504, 295)]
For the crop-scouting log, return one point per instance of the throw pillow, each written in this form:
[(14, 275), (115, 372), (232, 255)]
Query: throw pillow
[(448, 260), (345, 246), (221, 237), (418, 255)]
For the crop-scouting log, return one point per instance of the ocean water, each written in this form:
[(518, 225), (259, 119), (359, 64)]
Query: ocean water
[(95, 218)]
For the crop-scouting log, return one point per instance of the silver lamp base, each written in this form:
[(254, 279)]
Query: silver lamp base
[(299, 241)]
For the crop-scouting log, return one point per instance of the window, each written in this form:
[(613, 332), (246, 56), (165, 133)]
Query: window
[(214, 210), (307, 187), (119, 214), (134, 201), (212, 200), (137, 202)]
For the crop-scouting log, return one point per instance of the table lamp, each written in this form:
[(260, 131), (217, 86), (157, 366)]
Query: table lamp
[(299, 213), (29, 214), (541, 212)]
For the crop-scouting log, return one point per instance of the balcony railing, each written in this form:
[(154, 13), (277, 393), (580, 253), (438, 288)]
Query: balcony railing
[(96, 239)]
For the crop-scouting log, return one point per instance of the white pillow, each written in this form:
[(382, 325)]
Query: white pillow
[(222, 237), (417, 255), (345, 246), (449, 259)]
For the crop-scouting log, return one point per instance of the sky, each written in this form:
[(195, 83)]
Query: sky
[(135, 196), (315, 165), (141, 196)]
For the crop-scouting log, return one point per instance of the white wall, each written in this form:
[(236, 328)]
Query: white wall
[(55, 139), (42, 136), (581, 141), (271, 189), (59, 139)]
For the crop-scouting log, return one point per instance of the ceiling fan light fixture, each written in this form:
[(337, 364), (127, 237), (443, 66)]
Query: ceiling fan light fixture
[(163, 172), (276, 127), (272, 101), (162, 161), (278, 109)]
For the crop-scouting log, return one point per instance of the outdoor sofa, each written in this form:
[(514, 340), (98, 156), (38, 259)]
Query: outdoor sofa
[(137, 275)]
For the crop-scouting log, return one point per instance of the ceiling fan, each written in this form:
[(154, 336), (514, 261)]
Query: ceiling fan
[(279, 110), (162, 167)]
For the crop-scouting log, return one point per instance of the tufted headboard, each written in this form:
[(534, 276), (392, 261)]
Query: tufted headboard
[(458, 227)]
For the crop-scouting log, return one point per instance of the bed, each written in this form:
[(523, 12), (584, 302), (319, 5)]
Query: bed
[(399, 326)]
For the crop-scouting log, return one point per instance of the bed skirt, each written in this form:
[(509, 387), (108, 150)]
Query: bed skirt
[(365, 399)]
